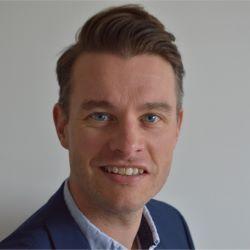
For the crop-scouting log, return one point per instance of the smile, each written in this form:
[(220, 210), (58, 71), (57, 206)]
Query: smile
[(123, 171)]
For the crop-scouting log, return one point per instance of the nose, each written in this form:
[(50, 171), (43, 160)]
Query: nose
[(127, 140)]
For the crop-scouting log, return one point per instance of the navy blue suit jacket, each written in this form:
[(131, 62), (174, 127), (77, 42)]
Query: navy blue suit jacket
[(53, 227)]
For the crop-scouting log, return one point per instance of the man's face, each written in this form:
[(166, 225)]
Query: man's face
[(122, 118)]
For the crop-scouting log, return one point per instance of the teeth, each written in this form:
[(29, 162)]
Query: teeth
[(121, 171), (124, 171), (114, 170), (135, 171), (141, 171), (129, 171)]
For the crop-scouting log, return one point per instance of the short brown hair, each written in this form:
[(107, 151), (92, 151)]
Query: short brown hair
[(127, 31)]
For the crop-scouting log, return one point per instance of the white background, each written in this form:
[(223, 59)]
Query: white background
[(210, 178)]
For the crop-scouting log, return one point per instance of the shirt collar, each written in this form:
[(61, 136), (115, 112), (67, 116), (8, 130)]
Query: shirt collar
[(148, 237)]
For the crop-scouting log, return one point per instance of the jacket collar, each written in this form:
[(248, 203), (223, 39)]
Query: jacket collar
[(66, 234), (63, 230)]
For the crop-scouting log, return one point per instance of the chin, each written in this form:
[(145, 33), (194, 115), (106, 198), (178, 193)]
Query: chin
[(126, 208), (126, 204)]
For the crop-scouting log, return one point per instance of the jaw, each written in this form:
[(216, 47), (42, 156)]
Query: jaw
[(98, 191), (111, 193)]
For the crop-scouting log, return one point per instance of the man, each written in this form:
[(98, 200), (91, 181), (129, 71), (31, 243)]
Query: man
[(119, 115)]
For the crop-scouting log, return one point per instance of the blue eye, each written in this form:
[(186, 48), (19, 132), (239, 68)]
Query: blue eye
[(151, 118), (100, 117)]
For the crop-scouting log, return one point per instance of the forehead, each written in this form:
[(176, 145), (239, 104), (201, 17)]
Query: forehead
[(141, 78)]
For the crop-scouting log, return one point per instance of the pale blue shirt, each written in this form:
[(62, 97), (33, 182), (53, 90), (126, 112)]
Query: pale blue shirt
[(99, 240)]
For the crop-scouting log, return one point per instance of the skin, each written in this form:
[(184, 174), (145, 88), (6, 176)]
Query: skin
[(126, 132)]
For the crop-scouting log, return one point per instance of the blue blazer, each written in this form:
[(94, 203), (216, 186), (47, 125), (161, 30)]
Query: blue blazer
[(53, 227)]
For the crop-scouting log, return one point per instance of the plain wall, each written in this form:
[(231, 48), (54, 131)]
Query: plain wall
[(210, 178)]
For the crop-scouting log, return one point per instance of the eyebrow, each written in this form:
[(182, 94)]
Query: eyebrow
[(88, 105), (164, 106), (92, 104)]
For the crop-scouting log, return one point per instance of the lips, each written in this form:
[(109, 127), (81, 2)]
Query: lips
[(131, 175), (124, 171), (125, 174)]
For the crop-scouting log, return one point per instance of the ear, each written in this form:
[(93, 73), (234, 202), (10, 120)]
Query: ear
[(61, 123), (179, 122)]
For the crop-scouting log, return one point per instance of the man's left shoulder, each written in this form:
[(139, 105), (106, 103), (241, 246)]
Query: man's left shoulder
[(170, 224), (163, 213), (163, 209)]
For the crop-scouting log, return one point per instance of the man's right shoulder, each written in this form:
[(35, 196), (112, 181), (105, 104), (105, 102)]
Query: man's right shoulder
[(33, 238), (33, 233)]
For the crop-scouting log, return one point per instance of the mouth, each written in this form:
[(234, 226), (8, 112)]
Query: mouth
[(124, 175), (124, 171)]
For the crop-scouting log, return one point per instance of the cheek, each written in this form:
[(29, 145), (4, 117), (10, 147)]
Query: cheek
[(161, 150), (83, 148), (86, 142)]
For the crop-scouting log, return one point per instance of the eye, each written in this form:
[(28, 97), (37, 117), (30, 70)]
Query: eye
[(151, 118), (100, 117)]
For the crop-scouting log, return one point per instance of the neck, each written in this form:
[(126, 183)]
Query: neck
[(120, 226)]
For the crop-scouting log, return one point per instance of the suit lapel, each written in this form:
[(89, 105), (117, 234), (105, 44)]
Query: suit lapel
[(62, 228)]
